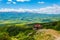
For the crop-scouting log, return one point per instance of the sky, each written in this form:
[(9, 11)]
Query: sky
[(38, 6)]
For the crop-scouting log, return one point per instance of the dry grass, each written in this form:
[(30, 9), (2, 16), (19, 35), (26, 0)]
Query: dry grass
[(47, 34)]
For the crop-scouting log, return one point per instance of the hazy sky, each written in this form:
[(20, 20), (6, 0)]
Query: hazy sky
[(31, 5)]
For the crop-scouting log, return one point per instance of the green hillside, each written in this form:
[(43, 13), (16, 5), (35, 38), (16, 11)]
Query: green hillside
[(49, 31)]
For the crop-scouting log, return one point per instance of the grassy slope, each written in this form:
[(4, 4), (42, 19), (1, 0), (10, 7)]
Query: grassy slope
[(26, 32)]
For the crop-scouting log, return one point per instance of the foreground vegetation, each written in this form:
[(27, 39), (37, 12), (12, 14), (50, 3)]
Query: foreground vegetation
[(26, 32)]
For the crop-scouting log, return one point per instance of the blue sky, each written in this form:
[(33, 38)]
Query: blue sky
[(30, 4), (27, 3)]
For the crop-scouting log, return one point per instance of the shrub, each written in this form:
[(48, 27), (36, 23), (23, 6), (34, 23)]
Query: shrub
[(13, 30), (4, 36)]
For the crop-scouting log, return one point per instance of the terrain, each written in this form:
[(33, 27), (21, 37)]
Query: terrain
[(16, 17), (19, 26)]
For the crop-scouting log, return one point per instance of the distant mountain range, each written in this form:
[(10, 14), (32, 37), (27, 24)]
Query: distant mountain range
[(28, 17)]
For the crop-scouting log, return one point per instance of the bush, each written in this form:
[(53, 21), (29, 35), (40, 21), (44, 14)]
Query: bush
[(13, 31), (4, 36)]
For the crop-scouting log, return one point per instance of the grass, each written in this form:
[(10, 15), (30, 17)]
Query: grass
[(26, 32)]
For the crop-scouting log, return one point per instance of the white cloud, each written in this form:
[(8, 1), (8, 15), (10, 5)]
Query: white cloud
[(41, 2), (22, 0), (10, 0), (51, 9), (55, 9), (14, 2)]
